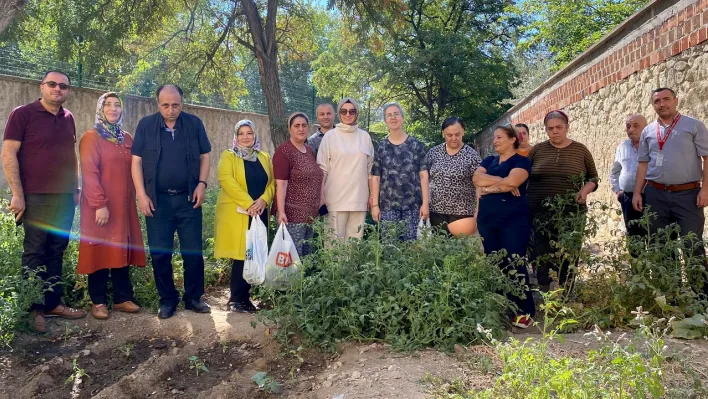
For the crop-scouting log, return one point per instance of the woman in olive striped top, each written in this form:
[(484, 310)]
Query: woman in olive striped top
[(560, 167)]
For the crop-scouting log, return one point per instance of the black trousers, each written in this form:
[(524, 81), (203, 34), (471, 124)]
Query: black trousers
[(679, 207), (120, 281), (47, 222), (240, 289), (176, 213), (439, 219), (543, 253), (630, 214), (514, 238)]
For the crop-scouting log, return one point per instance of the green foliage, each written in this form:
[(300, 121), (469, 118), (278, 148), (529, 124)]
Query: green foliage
[(267, 383), (622, 368), (202, 45), (126, 349), (569, 219), (439, 58), (16, 293), (666, 279), (568, 27), (690, 328), (198, 365), (77, 374), (424, 293), (616, 370)]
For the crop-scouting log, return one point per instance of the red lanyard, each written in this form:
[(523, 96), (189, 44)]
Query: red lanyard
[(667, 133)]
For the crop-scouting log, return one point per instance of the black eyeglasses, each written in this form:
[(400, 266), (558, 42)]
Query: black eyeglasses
[(52, 84), (350, 111)]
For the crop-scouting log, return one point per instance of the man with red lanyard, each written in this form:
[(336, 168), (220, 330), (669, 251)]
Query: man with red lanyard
[(673, 151)]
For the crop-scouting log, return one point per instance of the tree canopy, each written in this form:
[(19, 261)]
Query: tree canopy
[(566, 28), (469, 58), (440, 58)]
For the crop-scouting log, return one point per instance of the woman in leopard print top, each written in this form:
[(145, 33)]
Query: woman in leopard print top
[(452, 195)]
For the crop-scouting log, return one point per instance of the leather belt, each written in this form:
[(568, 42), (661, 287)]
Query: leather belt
[(674, 187), (174, 192)]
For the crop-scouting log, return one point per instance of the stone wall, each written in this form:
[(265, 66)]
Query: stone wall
[(662, 45), (219, 123)]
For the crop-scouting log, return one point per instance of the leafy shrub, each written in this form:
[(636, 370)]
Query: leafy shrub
[(666, 278), (624, 368), (16, 293), (424, 293), (615, 368)]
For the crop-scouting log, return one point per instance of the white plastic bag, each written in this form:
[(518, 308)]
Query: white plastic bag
[(283, 263), (254, 267), (423, 228)]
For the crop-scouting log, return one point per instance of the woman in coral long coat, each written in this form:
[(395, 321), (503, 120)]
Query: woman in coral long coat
[(247, 189), (111, 239)]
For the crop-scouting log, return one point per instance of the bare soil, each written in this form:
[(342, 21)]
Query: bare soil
[(140, 356)]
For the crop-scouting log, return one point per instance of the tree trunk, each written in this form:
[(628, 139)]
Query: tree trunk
[(8, 10), (270, 82), (266, 52)]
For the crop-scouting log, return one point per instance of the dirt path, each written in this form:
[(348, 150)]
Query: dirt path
[(139, 356)]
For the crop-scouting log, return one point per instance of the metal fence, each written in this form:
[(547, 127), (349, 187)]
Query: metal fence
[(297, 97)]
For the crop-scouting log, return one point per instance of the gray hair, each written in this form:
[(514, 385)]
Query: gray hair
[(557, 114), (242, 123), (393, 104)]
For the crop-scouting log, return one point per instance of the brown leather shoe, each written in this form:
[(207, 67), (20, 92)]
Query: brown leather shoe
[(38, 323), (99, 312), (65, 312), (127, 307)]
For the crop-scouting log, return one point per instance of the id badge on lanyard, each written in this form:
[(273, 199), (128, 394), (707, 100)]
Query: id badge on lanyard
[(662, 140)]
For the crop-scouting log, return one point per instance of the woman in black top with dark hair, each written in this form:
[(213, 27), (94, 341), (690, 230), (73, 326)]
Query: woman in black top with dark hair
[(503, 220), (452, 194)]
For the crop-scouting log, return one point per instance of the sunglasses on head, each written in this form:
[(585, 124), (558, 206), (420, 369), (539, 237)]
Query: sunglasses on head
[(350, 111), (52, 84)]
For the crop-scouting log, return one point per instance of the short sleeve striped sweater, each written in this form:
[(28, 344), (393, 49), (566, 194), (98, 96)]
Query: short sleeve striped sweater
[(553, 171)]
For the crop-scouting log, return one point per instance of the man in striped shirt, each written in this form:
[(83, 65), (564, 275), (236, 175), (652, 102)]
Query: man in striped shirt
[(624, 172)]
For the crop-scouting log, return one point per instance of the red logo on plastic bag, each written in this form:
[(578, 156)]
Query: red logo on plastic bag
[(283, 259)]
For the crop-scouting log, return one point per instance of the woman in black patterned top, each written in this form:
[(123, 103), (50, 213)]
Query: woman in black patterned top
[(452, 195), (399, 177)]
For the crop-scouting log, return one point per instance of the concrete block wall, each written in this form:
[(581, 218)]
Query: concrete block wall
[(219, 123)]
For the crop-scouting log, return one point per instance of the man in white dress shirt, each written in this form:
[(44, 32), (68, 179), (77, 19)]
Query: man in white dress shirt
[(624, 173)]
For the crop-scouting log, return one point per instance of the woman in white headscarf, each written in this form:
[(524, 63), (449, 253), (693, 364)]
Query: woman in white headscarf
[(247, 189), (345, 156)]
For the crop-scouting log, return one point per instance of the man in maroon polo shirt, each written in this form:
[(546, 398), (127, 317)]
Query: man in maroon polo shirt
[(40, 166)]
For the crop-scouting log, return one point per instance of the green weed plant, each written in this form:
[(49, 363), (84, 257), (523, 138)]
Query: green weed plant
[(16, 293), (666, 277), (423, 293), (615, 368)]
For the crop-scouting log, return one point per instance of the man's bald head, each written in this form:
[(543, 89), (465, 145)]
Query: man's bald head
[(325, 116), (634, 125), (169, 100)]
